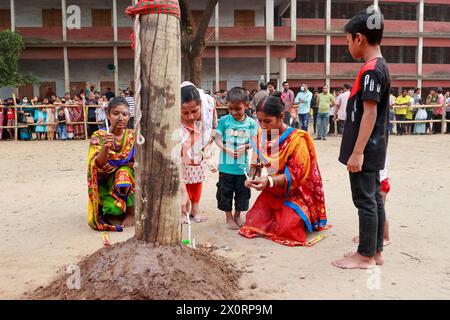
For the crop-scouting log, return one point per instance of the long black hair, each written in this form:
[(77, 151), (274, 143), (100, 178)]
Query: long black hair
[(271, 105), (190, 93)]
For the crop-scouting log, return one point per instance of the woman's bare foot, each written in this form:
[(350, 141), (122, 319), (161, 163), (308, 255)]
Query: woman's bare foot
[(355, 261), (128, 221), (378, 257), (386, 242)]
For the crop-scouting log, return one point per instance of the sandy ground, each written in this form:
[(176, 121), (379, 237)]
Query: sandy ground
[(44, 208)]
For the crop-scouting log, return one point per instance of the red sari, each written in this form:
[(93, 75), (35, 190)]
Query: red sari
[(76, 115), (285, 214)]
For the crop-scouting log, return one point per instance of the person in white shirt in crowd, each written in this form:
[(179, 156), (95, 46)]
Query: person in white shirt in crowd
[(303, 100), (340, 111), (132, 108)]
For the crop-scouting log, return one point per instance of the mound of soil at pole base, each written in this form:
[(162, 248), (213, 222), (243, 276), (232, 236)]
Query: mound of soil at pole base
[(134, 270)]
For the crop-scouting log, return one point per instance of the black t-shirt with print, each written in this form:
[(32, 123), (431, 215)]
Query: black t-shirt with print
[(373, 83)]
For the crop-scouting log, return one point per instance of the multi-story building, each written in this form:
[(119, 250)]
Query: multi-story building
[(248, 42), (72, 44)]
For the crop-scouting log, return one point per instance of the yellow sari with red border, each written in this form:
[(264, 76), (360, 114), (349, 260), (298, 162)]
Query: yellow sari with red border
[(123, 178)]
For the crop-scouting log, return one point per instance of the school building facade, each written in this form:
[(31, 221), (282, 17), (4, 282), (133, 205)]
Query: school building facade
[(248, 42)]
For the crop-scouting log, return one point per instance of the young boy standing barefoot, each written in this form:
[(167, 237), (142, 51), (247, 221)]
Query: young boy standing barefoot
[(233, 135), (365, 137)]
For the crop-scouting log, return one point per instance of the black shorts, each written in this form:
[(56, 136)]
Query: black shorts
[(230, 185)]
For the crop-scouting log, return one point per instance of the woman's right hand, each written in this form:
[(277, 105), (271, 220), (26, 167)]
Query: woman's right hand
[(108, 141), (248, 183)]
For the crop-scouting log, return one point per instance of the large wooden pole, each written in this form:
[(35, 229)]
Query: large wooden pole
[(157, 174)]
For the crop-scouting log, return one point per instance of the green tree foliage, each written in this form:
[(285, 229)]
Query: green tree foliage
[(11, 47)]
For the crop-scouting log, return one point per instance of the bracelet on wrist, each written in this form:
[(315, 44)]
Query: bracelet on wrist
[(270, 181)]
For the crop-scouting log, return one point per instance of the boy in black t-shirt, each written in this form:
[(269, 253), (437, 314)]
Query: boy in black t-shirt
[(365, 136)]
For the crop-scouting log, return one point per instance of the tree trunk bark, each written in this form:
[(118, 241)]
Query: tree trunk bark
[(157, 174), (195, 67)]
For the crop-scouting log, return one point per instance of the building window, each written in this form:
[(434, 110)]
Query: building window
[(311, 9), (101, 17), (51, 18), (404, 54), (244, 18), (310, 53), (399, 11), (340, 54), (5, 18), (436, 55), (347, 9), (437, 12)]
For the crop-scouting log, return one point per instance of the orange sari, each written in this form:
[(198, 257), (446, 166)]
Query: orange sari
[(283, 214)]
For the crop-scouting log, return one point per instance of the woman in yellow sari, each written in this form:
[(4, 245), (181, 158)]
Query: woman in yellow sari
[(111, 183), (292, 199)]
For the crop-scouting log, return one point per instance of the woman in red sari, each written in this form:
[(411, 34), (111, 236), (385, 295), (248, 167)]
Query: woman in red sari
[(292, 198), (76, 114)]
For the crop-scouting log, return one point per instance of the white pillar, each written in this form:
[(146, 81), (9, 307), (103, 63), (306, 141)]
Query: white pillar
[(217, 22), (217, 57), (269, 20), (116, 57), (66, 71), (217, 48), (328, 44), (66, 58), (267, 63), (420, 46), (283, 71), (13, 16), (293, 20)]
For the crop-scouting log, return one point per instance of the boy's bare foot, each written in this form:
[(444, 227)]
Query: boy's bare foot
[(386, 242), (232, 225), (128, 221), (378, 257), (355, 261), (238, 220)]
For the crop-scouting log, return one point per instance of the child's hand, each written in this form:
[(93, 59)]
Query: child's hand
[(355, 162), (239, 152), (229, 151)]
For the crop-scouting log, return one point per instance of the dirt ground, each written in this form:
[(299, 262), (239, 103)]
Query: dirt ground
[(44, 212)]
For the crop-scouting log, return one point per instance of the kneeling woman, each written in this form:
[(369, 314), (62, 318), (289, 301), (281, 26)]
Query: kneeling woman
[(111, 182), (292, 198)]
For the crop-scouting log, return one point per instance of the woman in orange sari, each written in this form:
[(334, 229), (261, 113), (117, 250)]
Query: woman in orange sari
[(292, 198)]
